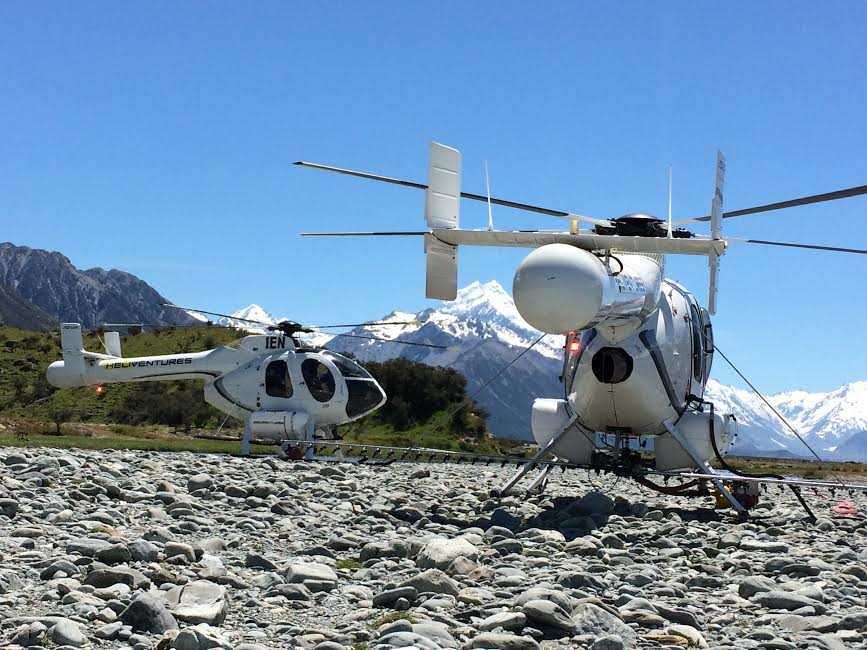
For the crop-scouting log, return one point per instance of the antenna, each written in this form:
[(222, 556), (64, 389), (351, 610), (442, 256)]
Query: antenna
[(669, 200), (488, 186)]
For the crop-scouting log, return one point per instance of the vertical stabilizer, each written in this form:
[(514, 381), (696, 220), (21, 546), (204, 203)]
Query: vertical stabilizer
[(441, 277), (442, 209), (72, 347), (716, 208), (112, 344)]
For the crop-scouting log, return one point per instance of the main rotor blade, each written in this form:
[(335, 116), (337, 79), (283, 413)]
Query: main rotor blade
[(395, 322), (467, 195), (835, 249), (213, 313), (806, 200), (377, 338)]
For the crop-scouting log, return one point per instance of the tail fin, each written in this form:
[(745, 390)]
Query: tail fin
[(112, 344), (442, 210), (72, 346), (715, 228)]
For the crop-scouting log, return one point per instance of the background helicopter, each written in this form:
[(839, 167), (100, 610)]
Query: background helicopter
[(639, 347), (280, 388)]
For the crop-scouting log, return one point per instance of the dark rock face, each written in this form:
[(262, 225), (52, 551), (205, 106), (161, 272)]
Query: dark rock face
[(16, 311), (49, 281)]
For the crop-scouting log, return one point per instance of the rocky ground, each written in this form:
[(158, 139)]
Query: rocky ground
[(144, 550)]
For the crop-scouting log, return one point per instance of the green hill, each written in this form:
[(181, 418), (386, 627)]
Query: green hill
[(25, 393)]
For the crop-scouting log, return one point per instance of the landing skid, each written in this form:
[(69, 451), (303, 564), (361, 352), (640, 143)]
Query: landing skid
[(627, 465), (705, 467)]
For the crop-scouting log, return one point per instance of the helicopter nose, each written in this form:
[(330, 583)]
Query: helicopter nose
[(365, 396)]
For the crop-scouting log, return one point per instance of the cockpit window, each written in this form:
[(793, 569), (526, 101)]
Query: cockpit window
[(278, 383), (697, 347), (347, 367), (319, 380)]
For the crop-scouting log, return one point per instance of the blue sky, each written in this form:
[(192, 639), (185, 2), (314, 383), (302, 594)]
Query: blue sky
[(157, 138)]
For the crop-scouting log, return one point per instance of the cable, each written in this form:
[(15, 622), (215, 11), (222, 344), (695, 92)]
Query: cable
[(737, 472), (470, 398), (775, 411)]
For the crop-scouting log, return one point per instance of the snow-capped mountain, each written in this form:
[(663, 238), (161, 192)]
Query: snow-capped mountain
[(255, 319), (827, 421), (483, 332)]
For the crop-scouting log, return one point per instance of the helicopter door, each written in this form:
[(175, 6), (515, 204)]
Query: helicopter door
[(278, 383), (318, 378)]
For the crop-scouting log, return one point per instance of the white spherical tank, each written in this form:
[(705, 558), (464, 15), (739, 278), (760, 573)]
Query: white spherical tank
[(559, 288)]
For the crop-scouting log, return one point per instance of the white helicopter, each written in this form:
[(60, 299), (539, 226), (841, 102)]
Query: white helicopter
[(639, 347), (281, 389)]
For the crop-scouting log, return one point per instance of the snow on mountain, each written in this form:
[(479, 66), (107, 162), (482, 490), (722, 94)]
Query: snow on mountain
[(241, 318), (825, 420), (483, 332)]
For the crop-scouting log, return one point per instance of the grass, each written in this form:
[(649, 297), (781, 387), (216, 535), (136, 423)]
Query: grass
[(435, 433), (802, 468), (391, 617), (349, 563)]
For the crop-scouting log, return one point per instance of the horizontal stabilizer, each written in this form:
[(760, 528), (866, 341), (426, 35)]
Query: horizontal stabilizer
[(537, 238)]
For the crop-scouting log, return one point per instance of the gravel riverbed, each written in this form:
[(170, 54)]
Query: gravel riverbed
[(146, 550)]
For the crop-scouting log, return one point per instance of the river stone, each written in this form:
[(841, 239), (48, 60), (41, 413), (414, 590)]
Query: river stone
[(440, 553), (498, 641), (199, 602), (592, 619), (314, 575), (66, 632), (86, 547), (782, 600), (433, 581), (695, 638), (148, 614), (199, 482), (548, 614), (200, 637), (8, 507), (755, 584), (506, 620)]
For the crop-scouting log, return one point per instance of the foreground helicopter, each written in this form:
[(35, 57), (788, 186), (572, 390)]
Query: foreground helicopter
[(281, 389), (639, 347)]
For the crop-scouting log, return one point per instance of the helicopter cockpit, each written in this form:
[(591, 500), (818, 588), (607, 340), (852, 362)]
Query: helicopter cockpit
[(365, 394)]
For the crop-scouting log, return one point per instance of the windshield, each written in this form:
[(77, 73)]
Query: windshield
[(347, 367)]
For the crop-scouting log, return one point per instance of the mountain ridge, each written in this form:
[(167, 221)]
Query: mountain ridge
[(48, 280)]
